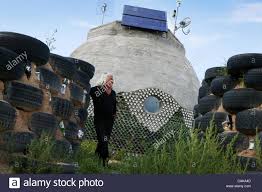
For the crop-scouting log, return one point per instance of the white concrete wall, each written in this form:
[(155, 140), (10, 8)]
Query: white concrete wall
[(140, 59)]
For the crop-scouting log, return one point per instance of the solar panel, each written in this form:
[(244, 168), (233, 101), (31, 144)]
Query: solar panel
[(144, 18), (144, 23), (144, 12)]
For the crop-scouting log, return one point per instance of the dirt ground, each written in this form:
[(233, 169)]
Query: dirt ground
[(247, 153)]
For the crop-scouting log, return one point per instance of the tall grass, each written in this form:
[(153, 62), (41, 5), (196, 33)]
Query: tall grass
[(186, 156), (41, 157), (258, 146), (87, 160)]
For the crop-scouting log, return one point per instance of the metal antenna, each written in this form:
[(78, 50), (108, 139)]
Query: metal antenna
[(103, 9), (182, 24), (176, 13)]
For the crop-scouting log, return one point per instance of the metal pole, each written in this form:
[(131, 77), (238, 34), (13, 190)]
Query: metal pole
[(103, 18), (177, 10), (104, 7)]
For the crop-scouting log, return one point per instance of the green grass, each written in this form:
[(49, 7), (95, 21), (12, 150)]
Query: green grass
[(187, 155), (87, 160), (258, 145), (183, 154), (41, 157)]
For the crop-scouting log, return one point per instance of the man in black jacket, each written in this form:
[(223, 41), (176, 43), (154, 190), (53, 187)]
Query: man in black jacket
[(104, 99)]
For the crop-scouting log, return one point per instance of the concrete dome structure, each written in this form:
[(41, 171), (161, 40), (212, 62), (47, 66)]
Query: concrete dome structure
[(141, 59)]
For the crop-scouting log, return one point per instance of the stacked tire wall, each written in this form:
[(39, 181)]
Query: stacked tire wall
[(231, 99), (40, 93)]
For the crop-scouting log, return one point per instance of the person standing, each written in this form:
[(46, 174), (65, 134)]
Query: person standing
[(104, 100)]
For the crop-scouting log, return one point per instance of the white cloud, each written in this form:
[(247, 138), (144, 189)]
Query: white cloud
[(247, 13), (81, 23)]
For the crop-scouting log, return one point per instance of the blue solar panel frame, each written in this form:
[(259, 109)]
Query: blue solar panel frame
[(144, 12), (144, 18)]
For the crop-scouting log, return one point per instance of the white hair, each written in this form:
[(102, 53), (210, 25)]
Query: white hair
[(102, 79)]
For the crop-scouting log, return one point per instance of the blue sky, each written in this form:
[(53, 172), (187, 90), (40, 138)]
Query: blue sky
[(219, 29)]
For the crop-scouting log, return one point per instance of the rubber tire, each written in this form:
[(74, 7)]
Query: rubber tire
[(36, 50), (50, 79), (7, 116), (250, 163), (253, 79), (83, 80), (201, 136), (208, 103), (61, 107), (214, 72), (197, 122), (217, 118), (7, 72), (84, 66), (71, 131), (63, 66), (240, 143), (239, 64), (15, 142), (249, 121), (25, 97), (220, 85), (81, 114), (204, 83), (196, 111), (77, 92), (43, 123), (238, 100), (204, 90), (62, 148)]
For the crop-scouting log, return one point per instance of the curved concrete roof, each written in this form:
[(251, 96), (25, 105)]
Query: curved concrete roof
[(141, 59)]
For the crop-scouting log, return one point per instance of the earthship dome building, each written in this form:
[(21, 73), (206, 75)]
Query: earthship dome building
[(151, 72)]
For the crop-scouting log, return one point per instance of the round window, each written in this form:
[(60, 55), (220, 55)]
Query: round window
[(152, 104)]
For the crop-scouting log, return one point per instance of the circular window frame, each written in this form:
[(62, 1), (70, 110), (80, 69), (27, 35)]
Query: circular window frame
[(160, 105)]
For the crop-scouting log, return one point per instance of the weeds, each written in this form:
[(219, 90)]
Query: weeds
[(51, 40), (186, 156), (87, 160), (258, 145), (42, 156)]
